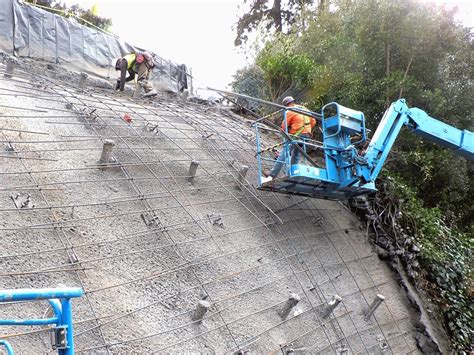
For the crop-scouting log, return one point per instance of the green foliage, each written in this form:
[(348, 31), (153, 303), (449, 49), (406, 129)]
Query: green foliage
[(250, 81), (87, 17), (441, 178), (366, 54), (393, 49), (446, 256), (283, 69)]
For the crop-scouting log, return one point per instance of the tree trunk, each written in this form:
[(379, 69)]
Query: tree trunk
[(276, 14), (303, 15), (387, 74), (405, 76), (348, 3), (322, 7)]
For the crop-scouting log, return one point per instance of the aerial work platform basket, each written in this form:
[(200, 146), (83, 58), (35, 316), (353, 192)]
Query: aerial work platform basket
[(345, 164), (319, 173)]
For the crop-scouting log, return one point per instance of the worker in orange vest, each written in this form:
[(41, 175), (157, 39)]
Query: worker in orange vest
[(136, 63), (300, 127)]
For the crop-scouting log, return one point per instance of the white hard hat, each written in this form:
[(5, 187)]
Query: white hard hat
[(287, 100), (147, 55)]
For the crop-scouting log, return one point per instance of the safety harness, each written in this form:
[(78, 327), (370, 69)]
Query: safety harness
[(306, 122)]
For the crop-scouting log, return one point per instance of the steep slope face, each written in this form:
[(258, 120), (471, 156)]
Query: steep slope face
[(147, 238)]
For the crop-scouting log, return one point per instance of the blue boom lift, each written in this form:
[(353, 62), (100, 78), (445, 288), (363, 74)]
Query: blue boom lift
[(348, 170)]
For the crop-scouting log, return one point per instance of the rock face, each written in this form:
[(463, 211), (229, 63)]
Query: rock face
[(148, 242), (426, 345), (401, 253)]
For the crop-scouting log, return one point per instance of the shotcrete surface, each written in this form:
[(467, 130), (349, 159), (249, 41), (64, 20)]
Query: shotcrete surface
[(210, 238)]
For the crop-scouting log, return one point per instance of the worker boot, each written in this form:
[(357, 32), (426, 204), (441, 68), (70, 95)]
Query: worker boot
[(265, 179), (149, 89), (150, 93)]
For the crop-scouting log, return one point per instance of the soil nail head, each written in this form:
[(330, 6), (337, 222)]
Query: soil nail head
[(331, 306), (105, 158), (11, 63), (290, 303), (242, 172), (192, 170), (82, 81), (375, 304), (202, 308)]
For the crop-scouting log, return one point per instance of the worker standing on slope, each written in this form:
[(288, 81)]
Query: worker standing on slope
[(136, 63), (299, 126)]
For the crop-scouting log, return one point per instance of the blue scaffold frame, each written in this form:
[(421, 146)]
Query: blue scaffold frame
[(59, 300), (7, 346)]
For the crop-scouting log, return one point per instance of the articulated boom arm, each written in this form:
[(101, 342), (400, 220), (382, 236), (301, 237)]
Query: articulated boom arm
[(418, 121), (348, 171)]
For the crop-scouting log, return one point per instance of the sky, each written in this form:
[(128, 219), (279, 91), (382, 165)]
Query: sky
[(197, 33)]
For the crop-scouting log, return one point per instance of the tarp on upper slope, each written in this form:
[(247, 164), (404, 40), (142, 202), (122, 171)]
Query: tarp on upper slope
[(28, 31)]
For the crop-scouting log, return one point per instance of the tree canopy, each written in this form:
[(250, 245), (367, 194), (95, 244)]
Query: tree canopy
[(280, 15), (88, 17)]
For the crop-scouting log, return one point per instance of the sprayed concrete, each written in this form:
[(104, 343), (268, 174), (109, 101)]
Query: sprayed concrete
[(147, 244)]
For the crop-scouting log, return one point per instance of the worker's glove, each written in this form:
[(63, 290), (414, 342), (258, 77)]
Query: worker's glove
[(117, 86)]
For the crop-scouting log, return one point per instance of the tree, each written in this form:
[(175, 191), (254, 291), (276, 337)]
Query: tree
[(250, 81), (285, 71), (86, 16), (375, 52), (279, 16)]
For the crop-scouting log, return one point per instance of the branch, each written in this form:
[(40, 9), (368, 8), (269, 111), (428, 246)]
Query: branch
[(405, 76)]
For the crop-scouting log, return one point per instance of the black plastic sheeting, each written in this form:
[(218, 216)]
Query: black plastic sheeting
[(28, 31)]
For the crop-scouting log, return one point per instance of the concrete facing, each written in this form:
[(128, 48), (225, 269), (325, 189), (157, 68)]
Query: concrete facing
[(147, 243)]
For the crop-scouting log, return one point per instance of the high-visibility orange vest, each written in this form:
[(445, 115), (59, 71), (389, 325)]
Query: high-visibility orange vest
[(298, 123)]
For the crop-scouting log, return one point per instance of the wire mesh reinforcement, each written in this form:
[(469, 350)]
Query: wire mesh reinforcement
[(147, 240)]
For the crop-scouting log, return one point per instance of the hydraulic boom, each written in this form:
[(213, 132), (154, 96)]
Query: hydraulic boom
[(350, 170), (418, 121)]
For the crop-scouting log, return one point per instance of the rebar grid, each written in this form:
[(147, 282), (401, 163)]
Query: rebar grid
[(201, 226), (316, 214), (169, 116), (62, 238), (314, 284)]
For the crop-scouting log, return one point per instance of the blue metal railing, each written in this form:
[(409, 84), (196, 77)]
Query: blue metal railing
[(60, 301), (284, 147), (7, 346)]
